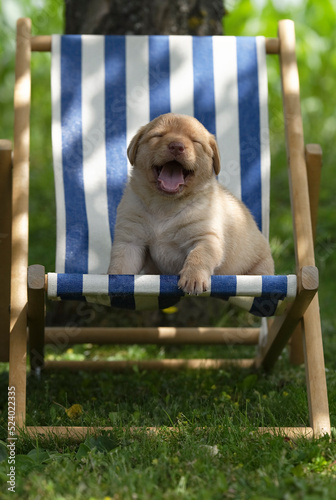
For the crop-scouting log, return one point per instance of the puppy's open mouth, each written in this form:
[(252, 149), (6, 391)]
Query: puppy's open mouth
[(171, 177)]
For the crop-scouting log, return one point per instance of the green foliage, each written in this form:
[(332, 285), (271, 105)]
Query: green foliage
[(316, 54), (214, 452), (46, 18)]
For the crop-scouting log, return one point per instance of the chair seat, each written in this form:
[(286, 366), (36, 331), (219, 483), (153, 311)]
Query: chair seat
[(260, 295)]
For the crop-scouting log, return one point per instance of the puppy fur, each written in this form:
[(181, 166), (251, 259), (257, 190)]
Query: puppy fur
[(175, 217)]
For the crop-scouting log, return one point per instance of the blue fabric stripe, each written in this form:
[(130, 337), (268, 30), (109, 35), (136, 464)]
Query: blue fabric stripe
[(122, 287), (249, 126), (159, 69), (223, 287), (274, 288), (76, 253), (169, 285), (115, 123), (170, 294), (264, 306), (204, 86), (70, 286)]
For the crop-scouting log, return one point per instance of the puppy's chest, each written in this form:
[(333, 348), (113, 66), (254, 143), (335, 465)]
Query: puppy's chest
[(169, 242)]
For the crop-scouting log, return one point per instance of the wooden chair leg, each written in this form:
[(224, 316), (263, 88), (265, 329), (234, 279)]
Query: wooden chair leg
[(5, 244), (312, 335), (296, 354), (17, 365), (36, 307), (313, 154), (315, 370), (20, 202)]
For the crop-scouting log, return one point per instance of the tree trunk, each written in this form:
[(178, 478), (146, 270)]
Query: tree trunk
[(140, 17)]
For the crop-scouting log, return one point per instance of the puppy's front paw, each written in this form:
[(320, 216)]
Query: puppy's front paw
[(194, 281)]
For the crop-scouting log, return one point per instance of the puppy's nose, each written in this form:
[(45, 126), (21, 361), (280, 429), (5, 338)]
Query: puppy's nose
[(176, 148)]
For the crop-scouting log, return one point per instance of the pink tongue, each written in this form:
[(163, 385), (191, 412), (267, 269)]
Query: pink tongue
[(171, 177)]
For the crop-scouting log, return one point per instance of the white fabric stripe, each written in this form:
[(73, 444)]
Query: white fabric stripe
[(181, 75), (291, 285), (227, 111), (137, 84), (265, 159), (95, 283), (249, 286), (146, 291), (95, 289), (94, 153), (52, 285), (57, 150)]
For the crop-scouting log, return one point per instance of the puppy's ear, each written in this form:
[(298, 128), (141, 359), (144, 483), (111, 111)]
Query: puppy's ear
[(133, 145), (215, 158)]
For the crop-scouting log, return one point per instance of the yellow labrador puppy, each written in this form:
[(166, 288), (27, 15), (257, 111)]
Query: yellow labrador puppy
[(175, 218)]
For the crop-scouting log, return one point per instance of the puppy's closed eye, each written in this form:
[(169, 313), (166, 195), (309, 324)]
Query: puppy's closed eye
[(155, 136)]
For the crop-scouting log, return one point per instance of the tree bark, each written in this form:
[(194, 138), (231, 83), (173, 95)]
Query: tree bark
[(140, 17)]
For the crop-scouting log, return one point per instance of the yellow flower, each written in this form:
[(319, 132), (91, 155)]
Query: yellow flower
[(74, 411), (170, 310)]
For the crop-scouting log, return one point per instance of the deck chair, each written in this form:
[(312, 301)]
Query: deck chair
[(103, 89)]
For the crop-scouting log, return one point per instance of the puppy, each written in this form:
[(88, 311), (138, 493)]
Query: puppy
[(175, 217)]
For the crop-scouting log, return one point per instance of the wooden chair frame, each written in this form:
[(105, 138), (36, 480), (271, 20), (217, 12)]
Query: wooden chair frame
[(27, 304)]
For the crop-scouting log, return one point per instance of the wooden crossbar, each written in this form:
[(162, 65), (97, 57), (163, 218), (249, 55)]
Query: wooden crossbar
[(64, 336), (80, 433), (156, 364), (42, 43)]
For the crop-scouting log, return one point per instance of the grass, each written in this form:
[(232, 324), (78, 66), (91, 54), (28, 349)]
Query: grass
[(185, 464), (213, 451)]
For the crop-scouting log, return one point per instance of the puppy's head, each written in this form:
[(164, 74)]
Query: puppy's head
[(174, 154)]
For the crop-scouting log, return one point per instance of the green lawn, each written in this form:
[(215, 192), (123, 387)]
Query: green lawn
[(213, 452)]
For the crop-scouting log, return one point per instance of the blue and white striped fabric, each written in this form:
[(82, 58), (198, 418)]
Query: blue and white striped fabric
[(260, 295), (103, 89)]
